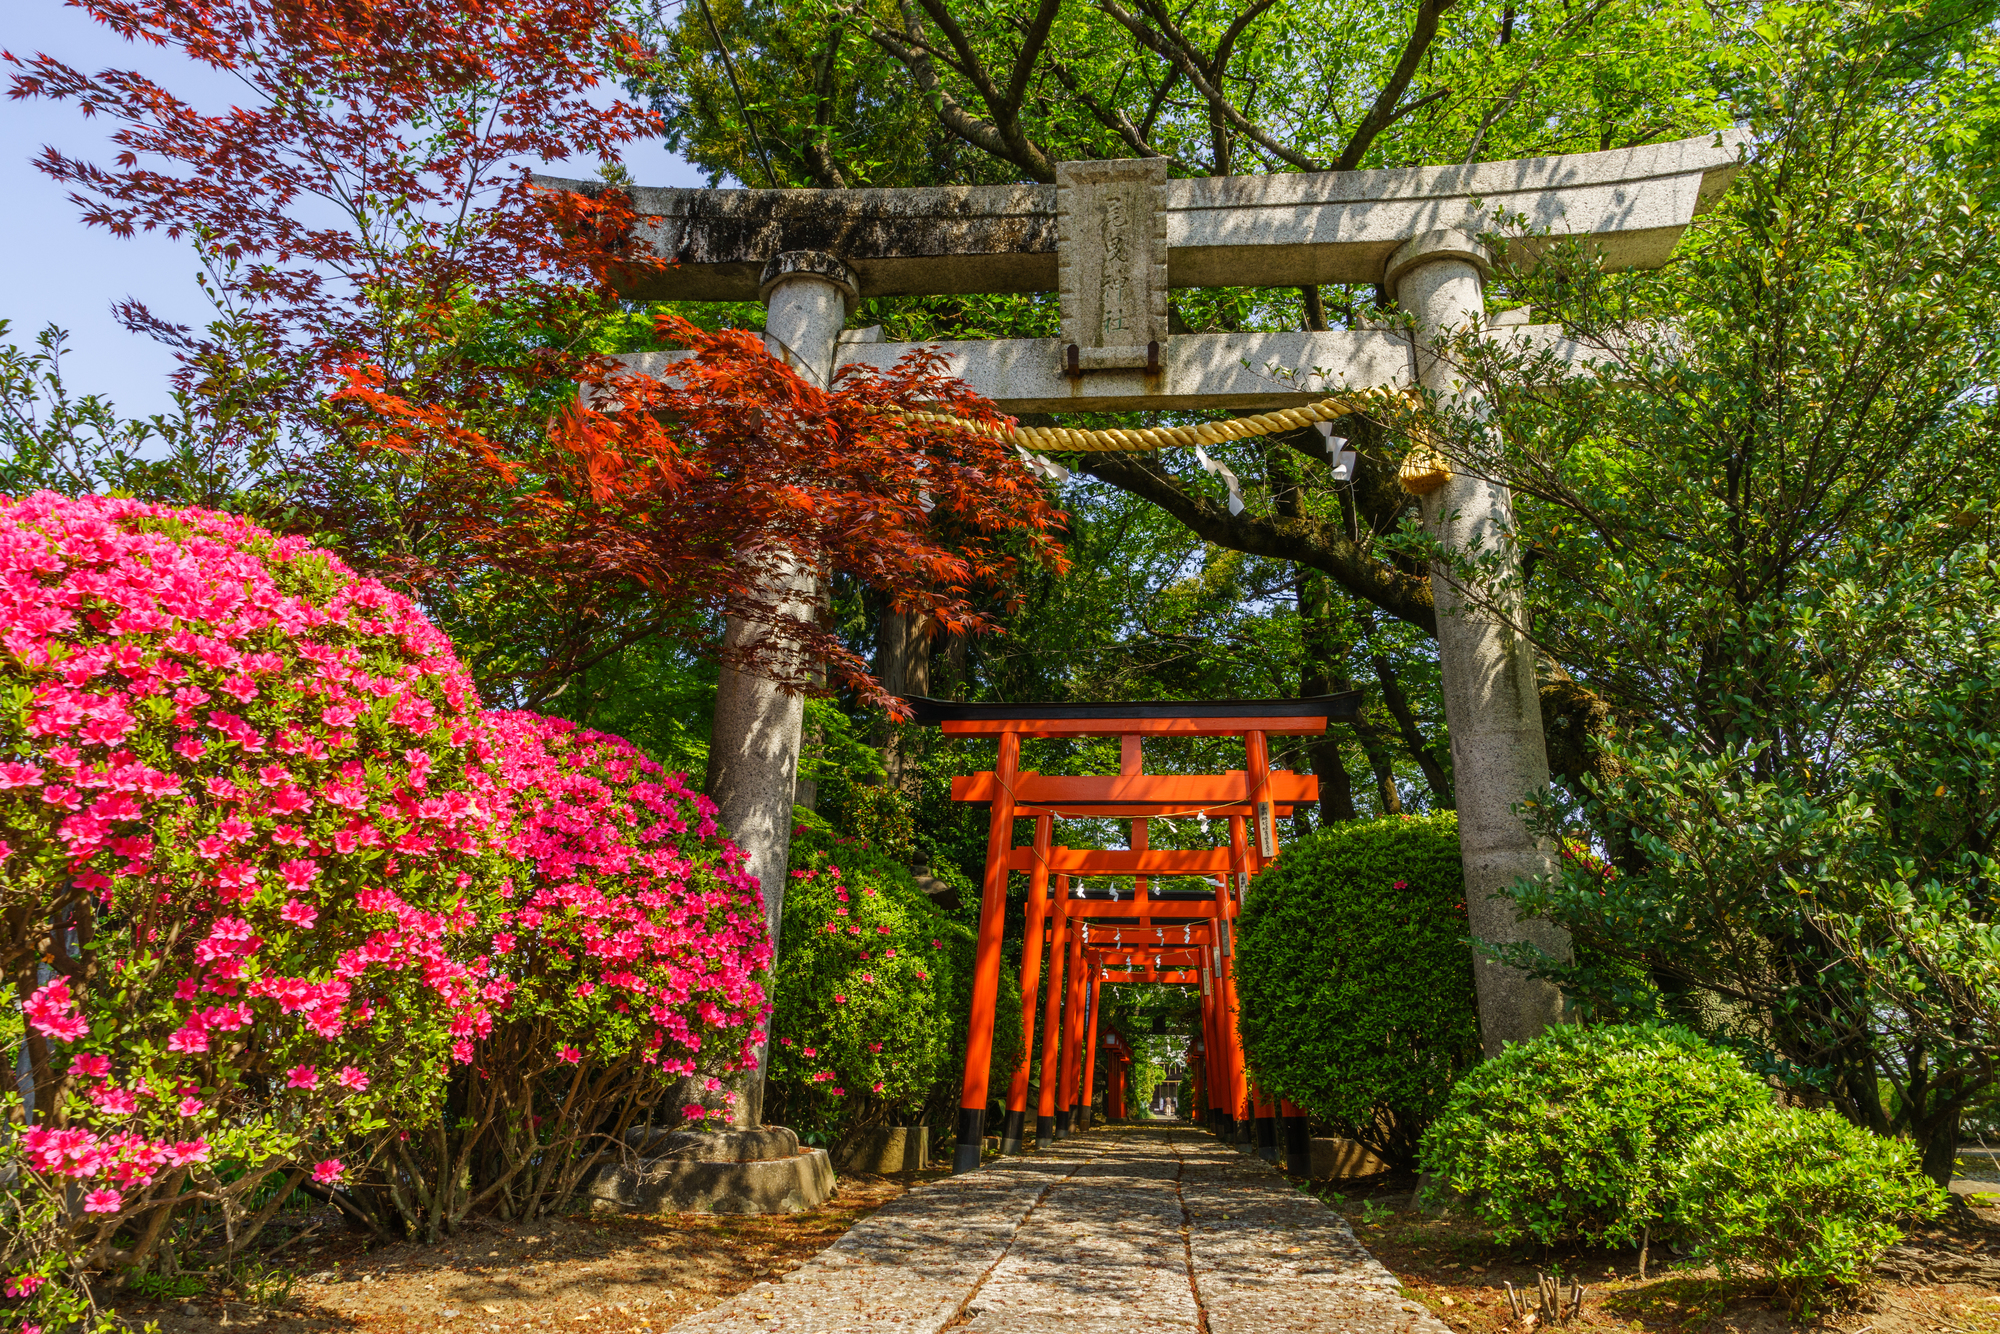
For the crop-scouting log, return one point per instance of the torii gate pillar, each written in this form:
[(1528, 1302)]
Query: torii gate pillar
[(753, 758), (1492, 707)]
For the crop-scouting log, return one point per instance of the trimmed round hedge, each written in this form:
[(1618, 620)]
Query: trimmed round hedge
[(1805, 1198), (1576, 1135), (1355, 977)]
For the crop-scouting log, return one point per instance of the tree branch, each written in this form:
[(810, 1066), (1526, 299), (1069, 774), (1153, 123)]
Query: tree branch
[(914, 53), (1383, 113), (1191, 70), (1003, 109), (1307, 541), (1112, 118)]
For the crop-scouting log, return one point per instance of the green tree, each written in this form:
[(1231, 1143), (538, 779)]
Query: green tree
[(931, 92), (1760, 535)]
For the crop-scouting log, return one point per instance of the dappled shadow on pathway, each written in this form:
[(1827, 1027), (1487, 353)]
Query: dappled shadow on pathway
[(1124, 1230)]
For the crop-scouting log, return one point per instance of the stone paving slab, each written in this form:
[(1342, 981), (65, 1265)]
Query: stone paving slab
[(1123, 1230), (1101, 1251), (1269, 1259)]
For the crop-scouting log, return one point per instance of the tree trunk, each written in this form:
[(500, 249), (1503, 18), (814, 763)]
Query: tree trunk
[(1374, 746), (1320, 673), (903, 666)]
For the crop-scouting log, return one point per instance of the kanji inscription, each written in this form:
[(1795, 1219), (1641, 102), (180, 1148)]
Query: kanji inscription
[(1111, 227)]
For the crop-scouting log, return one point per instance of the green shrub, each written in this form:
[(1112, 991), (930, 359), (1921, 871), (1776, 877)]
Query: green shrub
[(1575, 1135), (1807, 1199), (1355, 977), (872, 990), (872, 813)]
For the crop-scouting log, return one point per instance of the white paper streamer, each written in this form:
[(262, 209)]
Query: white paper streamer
[(1338, 456), (1042, 465), (1228, 478)]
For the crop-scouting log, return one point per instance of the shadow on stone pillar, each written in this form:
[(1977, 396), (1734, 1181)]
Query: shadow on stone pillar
[(754, 745), (1492, 706)]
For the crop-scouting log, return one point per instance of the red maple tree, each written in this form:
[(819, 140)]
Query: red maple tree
[(373, 178), (688, 485), (367, 219)]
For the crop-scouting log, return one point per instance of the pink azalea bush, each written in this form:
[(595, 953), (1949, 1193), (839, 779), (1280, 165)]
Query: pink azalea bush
[(243, 827), (872, 991), (275, 885), (631, 942)]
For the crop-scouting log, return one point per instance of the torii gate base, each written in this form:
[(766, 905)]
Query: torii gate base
[(1088, 932)]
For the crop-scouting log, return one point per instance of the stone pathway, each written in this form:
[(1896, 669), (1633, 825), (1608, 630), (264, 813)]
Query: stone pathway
[(1125, 1230)]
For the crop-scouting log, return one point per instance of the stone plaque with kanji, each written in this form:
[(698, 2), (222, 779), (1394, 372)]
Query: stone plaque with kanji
[(1111, 228)]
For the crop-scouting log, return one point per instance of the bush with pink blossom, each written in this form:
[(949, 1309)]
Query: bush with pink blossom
[(285, 909), (244, 835), (632, 944), (872, 991)]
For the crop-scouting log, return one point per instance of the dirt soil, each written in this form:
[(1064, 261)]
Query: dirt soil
[(1459, 1273), (601, 1273)]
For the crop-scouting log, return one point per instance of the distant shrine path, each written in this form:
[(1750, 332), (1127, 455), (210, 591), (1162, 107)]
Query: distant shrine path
[(1128, 1229)]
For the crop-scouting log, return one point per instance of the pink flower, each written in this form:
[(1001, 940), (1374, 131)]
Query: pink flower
[(570, 1055), (351, 1078), (24, 1285), (187, 1151), (91, 1066), (840, 1000), (191, 1106), (694, 1111), (878, 1086), (105, 1201), (328, 1172), (299, 914), (302, 1077), (868, 977), (1400, 884), (49, 1011)]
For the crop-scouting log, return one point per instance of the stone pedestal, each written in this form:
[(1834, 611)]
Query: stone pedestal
[(886, 1149), (1334, 1157), (1491, 703), (725, 1172)]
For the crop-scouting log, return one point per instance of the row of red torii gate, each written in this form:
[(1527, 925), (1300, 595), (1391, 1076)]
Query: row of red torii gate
[(1096, 937)]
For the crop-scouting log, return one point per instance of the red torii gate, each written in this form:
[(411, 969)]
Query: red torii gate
[(1252, 799)]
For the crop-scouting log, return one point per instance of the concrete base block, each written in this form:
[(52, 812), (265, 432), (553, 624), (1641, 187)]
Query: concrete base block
[(727, 1172), (1332, 1157), (886, 1149)]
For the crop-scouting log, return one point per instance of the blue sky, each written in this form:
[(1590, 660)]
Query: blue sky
[(57, 270)]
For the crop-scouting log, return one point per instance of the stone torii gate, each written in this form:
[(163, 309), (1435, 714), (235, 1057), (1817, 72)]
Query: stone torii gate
[(1113, 238)]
